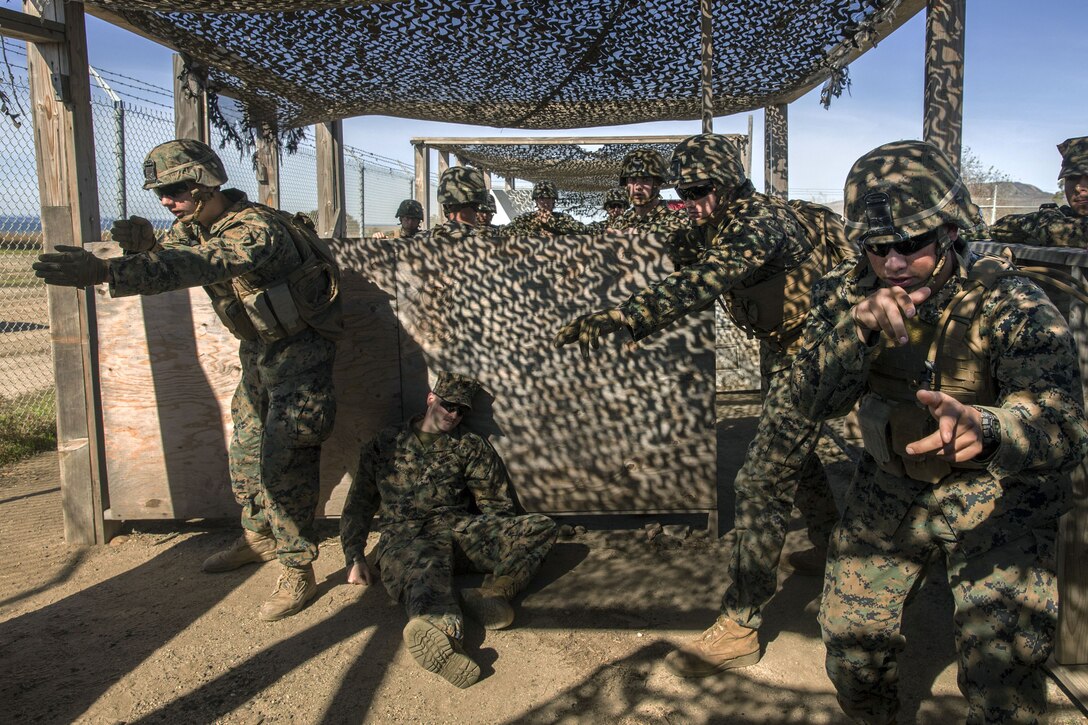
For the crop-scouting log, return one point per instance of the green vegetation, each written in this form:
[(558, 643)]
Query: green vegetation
[(28, 425)]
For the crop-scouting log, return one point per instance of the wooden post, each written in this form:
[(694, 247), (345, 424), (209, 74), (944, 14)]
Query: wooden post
[(776, 150), (508, 183), (331, 214), (943, 125), (706, 74), (1071, 647), (443, 161), (190, 103), (60, 99), (268, 170), (423, 181), (487, 179), (748, 150)]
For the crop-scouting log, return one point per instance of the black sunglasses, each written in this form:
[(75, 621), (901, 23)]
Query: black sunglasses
[(454, 407), (172, 190), (695, 192), (905, 247)]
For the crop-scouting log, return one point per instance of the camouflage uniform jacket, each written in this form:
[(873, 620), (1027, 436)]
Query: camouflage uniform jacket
[(749, 240), (529, 224), (1048, 227), (246, 242), (1034, 368), (660, 219), (409, 485)]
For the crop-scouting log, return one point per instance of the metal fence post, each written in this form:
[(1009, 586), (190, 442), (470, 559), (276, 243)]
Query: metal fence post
[(362, 198), (122, 185)]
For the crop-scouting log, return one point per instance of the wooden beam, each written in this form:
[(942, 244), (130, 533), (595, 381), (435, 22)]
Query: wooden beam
[(268, 171), (748, 148), (190, 103), (423, 179), (547, 140), (31, 28), (1071, 647), (443, 161), (776, 150), (60, 99), (487, 179), (943, 125), (331, 212)]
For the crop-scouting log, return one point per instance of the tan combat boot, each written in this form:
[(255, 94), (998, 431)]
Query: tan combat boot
[(294, 588), (437, 652), (490, 604), (722, 647), (250, 548)]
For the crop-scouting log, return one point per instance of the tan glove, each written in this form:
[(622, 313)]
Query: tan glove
[(588, 329), (71, 267), (134, 234)]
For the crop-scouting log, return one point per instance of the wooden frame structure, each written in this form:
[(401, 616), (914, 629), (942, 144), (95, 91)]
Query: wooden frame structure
[(60, 97), (424, 146)]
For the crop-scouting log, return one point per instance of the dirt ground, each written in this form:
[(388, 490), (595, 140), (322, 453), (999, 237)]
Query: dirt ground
[(133, 632)]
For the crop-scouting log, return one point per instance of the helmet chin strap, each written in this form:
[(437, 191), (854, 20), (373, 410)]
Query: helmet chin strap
[(201, 195)]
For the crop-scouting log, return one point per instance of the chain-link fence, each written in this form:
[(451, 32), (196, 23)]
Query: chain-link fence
[(129, 118)]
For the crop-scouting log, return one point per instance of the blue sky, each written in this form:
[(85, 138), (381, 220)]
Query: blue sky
[(1025, 91)]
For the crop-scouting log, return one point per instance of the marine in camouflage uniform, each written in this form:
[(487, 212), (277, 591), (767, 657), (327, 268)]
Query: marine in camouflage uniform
[(461, 192), (248, 259), (615, 203), (444, 505), (1054, 226), (545, 220), (755, 255), (986, 490), (410, 216), (642, 173), (486, 213)]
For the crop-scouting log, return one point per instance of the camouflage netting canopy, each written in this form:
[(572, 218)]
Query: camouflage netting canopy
[(510, 63), (570, 166)]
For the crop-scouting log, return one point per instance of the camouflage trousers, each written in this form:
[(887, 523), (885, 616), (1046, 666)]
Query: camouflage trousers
[(283, 409), (780, 469), (1006, 608), (418, 571)]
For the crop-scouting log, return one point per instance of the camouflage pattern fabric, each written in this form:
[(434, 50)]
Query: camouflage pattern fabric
[(1048, 227), (424, 497), (1074, 153), (410, 208), (283, 410), (284, 407), (994, 526), (780, 469), (452, 232), (533, 224), (183, 159), (660, 219), (456, 388), (749, 240)]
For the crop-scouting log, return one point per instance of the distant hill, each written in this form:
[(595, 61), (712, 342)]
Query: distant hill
[(998, 198)]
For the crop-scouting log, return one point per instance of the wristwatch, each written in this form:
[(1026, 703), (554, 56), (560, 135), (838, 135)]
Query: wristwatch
[(991, 433)]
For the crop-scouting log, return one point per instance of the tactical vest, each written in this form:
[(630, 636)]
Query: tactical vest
[(950, 356), (775, 308), (309, 296)]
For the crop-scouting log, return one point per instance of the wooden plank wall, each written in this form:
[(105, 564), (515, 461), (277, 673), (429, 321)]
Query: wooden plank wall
[(631, 431)]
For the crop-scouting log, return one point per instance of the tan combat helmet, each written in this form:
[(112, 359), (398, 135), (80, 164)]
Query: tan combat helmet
[(461, 185), (411, 209), (903, 189), (183, 159), (616, 197), (707, 157), (643, 162), (544, 190)]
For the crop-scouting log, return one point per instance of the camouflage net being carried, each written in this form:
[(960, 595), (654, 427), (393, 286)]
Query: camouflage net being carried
[(510, 63), (585, 167)]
